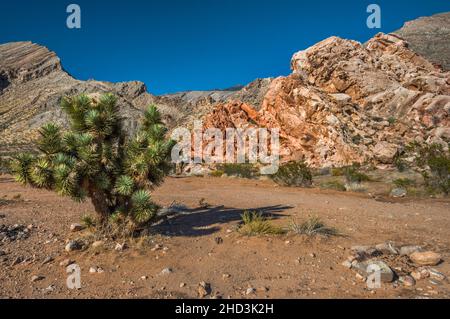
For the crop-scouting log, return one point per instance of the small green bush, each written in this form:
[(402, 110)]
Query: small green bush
[(254, 224), (439, 176), (400, 164), (392, 120), (312, 227), (433, 162), (337, 171), (293, 174), (216, 173), (244, 170), (353, 175), (88, 221)]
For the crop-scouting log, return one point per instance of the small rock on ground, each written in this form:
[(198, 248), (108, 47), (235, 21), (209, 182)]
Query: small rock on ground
[(76, 227), (367, 267), (72, 246), (97, 244), (120, 247), (249, 291), (166, 271), (37, 278), (66, 262), (408, 250), (204, 289), (407, 281)]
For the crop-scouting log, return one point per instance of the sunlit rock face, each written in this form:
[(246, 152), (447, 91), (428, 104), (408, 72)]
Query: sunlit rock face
[(346, 102)]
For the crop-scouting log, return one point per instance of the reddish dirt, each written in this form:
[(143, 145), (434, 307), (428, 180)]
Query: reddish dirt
[(286, 266)]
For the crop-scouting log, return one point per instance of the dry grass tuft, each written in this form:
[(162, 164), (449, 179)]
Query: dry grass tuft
[(254, 224)]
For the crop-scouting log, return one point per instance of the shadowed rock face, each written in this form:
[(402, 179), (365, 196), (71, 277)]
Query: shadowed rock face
[(430, 37), (344, 102)]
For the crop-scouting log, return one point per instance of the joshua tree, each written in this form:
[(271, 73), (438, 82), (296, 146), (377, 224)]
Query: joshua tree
[(96, 159)]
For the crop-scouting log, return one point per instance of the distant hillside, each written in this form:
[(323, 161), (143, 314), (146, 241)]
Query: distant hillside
[(430, 37)]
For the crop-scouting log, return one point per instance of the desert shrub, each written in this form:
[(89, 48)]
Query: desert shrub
[(88, 221), (337, 171), (353, 175), (336, 185), (403, 183), (312, 227), (433, 162), (254, 223), (244, 170), (400, 163), (217, 173), (116, 218), (97, 159), (392, 120), (293, 174)]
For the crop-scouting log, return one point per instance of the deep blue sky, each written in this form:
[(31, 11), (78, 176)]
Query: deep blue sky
[(175, 45)]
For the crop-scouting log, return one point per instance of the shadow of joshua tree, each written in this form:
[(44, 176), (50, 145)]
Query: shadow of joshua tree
[(203, 221)]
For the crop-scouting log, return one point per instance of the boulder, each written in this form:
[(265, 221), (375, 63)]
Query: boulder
[(73, 245), (385, 152), (365, 268), (427, 258)]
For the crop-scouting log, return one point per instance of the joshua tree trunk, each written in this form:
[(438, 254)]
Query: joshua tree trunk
[(100, 202)]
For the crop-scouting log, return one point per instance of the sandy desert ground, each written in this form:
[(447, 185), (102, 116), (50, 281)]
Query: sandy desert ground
[(203, 244)]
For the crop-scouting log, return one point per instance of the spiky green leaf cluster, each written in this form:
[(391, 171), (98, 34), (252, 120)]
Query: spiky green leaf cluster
[(97, 159)]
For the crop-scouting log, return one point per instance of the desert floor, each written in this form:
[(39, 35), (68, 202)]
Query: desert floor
[(286, 266)]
